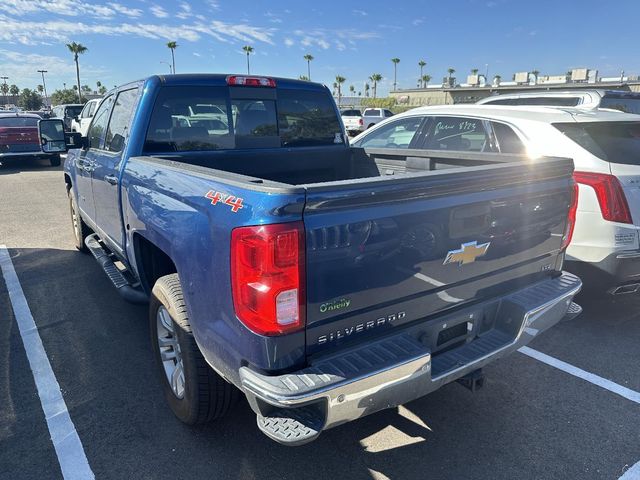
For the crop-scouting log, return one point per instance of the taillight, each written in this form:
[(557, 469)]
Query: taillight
[(361, 122), (243, 81), (267, 277), (571, 217), (613, 203)]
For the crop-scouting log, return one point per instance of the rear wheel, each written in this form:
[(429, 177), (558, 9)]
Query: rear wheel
[(55, 160), (195, 393), (80, 229)]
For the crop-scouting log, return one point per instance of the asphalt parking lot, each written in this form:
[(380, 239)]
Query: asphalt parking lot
[(530, 421)]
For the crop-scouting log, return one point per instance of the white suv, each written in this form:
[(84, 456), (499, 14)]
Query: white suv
[(605, 147)]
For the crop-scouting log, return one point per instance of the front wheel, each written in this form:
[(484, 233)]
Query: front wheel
[(194, 392), (80, 229), (54, 161)]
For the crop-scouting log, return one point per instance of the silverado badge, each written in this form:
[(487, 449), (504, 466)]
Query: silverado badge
[(467, 253)]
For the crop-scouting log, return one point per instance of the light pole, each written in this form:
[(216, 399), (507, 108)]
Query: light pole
[(44, 86), (4, 96), (167, 63)]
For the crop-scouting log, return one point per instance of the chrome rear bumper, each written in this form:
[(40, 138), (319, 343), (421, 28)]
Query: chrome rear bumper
[(397, 369)]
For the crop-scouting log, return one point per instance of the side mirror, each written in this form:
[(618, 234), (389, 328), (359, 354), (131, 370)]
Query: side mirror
[(52, 137)]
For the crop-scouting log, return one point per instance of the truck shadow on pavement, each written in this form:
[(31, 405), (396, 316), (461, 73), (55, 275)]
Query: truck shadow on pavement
[(99, 348)]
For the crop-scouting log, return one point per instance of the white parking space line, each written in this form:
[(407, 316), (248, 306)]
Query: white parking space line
[(632, 474), (583, 374), (71, 457)]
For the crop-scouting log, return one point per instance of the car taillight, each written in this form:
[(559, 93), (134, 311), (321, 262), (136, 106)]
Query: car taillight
[(571, 217), (613, 203), (243, 81), (361, 122), (267, 277)]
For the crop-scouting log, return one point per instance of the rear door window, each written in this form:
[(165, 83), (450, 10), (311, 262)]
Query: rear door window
[(457, 134), (351, 113), (508, 140), (398, 134), (615, 142), (373, 112)]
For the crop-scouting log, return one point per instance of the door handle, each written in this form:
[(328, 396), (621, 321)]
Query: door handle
[(112, 179)]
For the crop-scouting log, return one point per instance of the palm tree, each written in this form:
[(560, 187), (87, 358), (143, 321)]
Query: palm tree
[(421, 64), (450, 71), (40, 89), (395, 62), (77, 49), (352, 90), (172, 46), (248, 50), (375, 78), (425, 80), (339, 81), (14, 90), (366, 89), (474, 71), (304, 77), (308, 57)]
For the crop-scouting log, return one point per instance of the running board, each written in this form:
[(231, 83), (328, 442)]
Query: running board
[(125, 289)]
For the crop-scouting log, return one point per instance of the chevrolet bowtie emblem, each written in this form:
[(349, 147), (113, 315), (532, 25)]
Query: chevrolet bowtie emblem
[(467, 253)]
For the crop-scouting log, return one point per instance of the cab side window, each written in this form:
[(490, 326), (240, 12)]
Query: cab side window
[(458, 134), (508, 140), (398, 134), (120, 120), (99, 123)]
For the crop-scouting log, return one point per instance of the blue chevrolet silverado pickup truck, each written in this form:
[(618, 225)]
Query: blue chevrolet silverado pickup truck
[(323, 282)]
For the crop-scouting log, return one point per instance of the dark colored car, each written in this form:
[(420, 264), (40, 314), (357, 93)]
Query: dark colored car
[(19, 138)]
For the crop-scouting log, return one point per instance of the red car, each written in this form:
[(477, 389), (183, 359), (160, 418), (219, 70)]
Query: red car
[(19, 138)]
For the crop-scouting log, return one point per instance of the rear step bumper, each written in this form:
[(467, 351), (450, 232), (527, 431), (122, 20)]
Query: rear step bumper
[(294, 408)]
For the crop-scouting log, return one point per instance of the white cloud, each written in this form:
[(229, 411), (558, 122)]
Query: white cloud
[(417, 21), (196, 54), (185, 11), (288, 42), (362, 13), (340, 45), (34, 33), (158, 11), (129, 12), (69, 8)]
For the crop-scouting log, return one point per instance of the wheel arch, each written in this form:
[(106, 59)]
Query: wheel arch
[(151, 262)]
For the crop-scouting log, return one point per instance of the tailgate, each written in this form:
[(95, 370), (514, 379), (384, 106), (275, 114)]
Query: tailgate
[(383, 253)]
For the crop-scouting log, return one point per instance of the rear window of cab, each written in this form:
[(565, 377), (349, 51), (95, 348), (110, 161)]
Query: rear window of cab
[(209, 118), (19, 122)]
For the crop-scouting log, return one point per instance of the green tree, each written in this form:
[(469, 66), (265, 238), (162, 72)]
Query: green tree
[(86, 89), (77, 49), (395, 62), (339, 81), (248, 50), (450, 71), (67, 95), (425, 80), (40, 89), (474, 71), (172, 46), (352, 90), (308, 57), (304, 77), (366, 89), (375, 78), (29, 100), (4, 88), (102, 90), (421, 64), (14, 90)]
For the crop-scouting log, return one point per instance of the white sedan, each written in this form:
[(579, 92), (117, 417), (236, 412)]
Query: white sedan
[(605, 147)]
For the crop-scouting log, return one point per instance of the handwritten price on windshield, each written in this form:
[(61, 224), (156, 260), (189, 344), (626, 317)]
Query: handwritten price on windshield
[(224, 198)]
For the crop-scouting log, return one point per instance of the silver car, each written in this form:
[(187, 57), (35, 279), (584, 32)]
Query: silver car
[(372, 116)]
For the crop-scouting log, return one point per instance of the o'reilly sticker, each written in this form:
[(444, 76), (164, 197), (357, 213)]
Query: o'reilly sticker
[(335, 305)]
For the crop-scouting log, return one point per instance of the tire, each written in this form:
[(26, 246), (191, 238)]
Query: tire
[(370, 125), (204, 395), (80, 229), (54, 161)]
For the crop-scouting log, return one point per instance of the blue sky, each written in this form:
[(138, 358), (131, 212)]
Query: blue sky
[(126, 38)]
